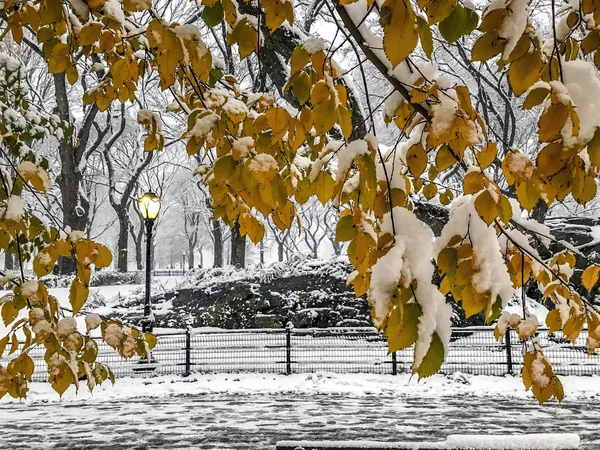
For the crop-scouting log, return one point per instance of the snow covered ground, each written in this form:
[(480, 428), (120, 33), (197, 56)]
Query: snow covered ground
[(254, 411), (109, 296)]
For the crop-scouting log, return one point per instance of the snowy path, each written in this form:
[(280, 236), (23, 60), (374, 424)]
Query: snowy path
[(257, 421)]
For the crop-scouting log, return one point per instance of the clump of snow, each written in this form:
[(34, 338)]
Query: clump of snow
[(233, 106), (14, 209), (391, 105), (204, 124), (42, 328), (28, 169), (92, 321), (76, 235), (583, 86), (35, 315), (314, 45), (514, 24), (66, 326), (492, 275), (112, 8), (346, 155), (9, 63), (506, 320), (263, 162), (113, 335), (29, 288), (521, 164), (81, 9), (537, 372), (332, 146), (410, 259), (527, 327), (243, 146)]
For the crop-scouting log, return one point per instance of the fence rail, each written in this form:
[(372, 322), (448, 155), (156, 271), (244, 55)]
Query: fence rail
[(472, 350)]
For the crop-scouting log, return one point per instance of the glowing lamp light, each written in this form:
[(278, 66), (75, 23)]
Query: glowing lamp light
[(149, 205)]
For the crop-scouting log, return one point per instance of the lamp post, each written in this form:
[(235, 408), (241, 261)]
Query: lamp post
[(149, 206)]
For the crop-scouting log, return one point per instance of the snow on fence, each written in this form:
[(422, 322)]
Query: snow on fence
[(472, 350)]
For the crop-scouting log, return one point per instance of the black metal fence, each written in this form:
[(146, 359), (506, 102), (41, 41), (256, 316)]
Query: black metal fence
[(472, 350)]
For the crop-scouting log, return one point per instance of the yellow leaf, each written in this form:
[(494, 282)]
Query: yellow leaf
[(400, 34), (525, 71), (137, 5), (486, 207), (438, 10), (324, 186), (9, 313), (487, 155), (150, 340), (78, 294), (550, 160), (299, 59), (473, 302), (433, 358), (573, 327), (444, 158), (535, 97), (103, 256), (559, 392), (447, 260), (416, 159), (425, 36), (429, 191), (324, 116), (62, 379), (446, 197), (528, 194), (90, 33), (589, 278), (554, 321), (276, 12), (473, 182), (401, 329), (245, 35), (487, 46), (552, 121), (504, 209), (223, 168)]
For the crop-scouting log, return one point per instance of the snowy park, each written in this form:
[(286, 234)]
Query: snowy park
[(300, 225)]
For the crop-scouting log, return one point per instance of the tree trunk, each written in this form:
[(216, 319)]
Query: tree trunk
[(280, 251), (262, 252), (71, 149), (218, 243), (238, 247), (9, 261), (123, 243), (191, 259), (75, 209)]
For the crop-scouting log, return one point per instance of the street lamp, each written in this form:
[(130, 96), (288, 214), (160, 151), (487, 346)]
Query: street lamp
[(149, 206)]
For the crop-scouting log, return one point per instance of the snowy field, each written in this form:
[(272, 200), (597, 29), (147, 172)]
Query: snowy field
[(110, 296), (254, 411)]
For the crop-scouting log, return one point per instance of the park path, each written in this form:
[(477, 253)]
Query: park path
[(257, 421)]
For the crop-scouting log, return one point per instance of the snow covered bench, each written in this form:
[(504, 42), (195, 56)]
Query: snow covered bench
[(453, 442)]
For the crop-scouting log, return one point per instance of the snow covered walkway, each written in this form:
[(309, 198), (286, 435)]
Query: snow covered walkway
[(254, 411)]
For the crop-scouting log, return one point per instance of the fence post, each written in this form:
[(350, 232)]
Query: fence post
[(288, 348), (509, 352), (188, 351), (394, 364)]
